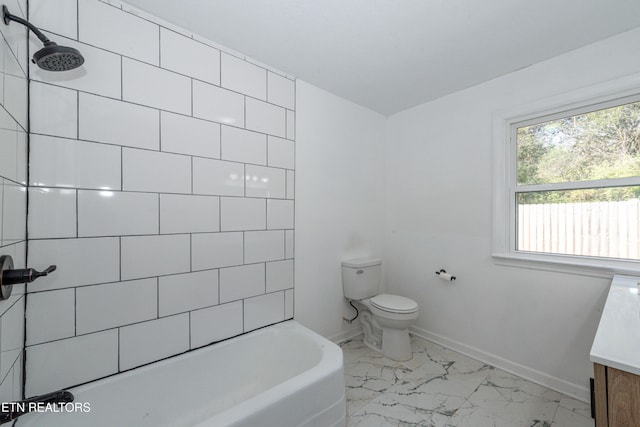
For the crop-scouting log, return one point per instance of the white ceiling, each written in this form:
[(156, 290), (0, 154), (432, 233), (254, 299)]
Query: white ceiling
[(390, 55)]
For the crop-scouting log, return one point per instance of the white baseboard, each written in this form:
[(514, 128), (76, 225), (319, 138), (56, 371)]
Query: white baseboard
[(343, 336), (574, 390)]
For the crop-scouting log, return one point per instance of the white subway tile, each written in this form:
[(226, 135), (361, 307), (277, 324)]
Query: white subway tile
[(15, 101), (238, 213), (10, 64), (144, 170), (117, 122), (6, 121), (148, 85), (63, 162), (80, 262), (291, 185), (12, 338), (51, 316), (185, 292), (291, 125), (281, 153), (241, 282), (244, 146), (154, 340), (52, 213), (98, 354), (59, 17), (216, 323), (263, 310), (217, 104), (8, 304), (263, 246), (114, 213), (13, 160), (186, 135), (17, 378), (281, 91), (265, 182), (187, 56), (288, 303), (212, 250), (5, 51), (113, 29), (218, 177), (14, 219), (264, 117), (189, 214), (115, 304), (146, 256), (16, 35), (7, 386), (289, 244), (244, 77), (54, 110), (100, 73), (279, 214), (279, 275)]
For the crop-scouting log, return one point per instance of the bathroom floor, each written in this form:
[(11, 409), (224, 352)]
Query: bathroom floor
[(440, 387)]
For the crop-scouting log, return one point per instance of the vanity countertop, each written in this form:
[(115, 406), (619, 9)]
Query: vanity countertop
[(617, 341)]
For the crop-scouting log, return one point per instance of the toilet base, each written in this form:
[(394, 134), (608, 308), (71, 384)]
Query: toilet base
[(396, 344)]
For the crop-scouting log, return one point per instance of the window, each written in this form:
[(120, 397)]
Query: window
[(568, 188)]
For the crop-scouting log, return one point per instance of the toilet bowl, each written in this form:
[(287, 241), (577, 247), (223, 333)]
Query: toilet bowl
[(385, 318)]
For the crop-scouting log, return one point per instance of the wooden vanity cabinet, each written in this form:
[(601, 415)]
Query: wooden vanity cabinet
[(617, 397)]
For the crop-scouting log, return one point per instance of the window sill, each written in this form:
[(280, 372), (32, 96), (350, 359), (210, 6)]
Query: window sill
[(568, 264)]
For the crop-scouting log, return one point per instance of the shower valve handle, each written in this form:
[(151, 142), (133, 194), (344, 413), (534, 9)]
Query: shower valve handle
[(25, 275), (10, 276)]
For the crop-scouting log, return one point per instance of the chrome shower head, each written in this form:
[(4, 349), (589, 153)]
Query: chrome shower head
[(51, 57)]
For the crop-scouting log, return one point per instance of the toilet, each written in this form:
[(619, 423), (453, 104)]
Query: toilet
[(385, 318)]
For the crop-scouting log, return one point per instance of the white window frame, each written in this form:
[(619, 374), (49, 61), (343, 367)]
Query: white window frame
[(605, 95)]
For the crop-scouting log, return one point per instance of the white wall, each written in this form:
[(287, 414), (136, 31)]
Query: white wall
[(439, 204), (13, 196), (339, 201), (159, 173)]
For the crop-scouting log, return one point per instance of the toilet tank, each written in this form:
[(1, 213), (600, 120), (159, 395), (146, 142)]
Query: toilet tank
[(361, 277)]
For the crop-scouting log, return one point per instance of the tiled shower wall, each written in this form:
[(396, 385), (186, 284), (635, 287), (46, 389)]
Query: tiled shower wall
[(162, 186), (13, 194)]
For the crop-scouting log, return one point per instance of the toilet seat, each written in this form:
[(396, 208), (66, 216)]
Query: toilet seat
[(394, 304)]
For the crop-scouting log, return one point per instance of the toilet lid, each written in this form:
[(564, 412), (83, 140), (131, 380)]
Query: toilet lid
[(394, 303)]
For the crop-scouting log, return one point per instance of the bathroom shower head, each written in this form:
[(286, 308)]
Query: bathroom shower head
[(57, 58), (51, 57)]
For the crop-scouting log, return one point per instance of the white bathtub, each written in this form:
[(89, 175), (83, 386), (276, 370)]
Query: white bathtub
[(280, 376)]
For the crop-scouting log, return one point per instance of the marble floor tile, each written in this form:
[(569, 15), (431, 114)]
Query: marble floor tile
[(441, 388), (506, 400), (365, 381), (568, 418), (576, 406)]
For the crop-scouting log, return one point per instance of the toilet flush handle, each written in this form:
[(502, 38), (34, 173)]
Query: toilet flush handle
[(359, 271)]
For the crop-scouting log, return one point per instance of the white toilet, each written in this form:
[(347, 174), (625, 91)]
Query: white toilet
[(385, 318)]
